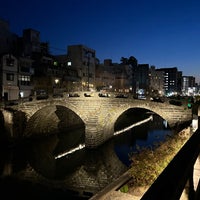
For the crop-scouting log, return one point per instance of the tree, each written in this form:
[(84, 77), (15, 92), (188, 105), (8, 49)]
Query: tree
[(132, 61), (124, 61)]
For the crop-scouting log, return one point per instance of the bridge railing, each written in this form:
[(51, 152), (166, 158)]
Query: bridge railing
[(172, 181)]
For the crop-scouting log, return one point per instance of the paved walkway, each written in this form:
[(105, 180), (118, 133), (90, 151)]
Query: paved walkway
[(136, 194)]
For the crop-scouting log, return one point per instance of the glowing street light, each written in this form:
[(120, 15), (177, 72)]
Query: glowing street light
[(56, 81)]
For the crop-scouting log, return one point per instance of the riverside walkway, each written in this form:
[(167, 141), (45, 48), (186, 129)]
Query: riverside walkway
[(112, 191)]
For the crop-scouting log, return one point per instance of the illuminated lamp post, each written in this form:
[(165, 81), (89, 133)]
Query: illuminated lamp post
[(56, 81), (56, 84)]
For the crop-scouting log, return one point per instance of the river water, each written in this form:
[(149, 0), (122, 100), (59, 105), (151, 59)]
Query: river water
[(48, 167)]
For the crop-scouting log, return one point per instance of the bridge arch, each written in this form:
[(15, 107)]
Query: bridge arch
[(109, 115), (52, 119), (107, 118), (132, 116)]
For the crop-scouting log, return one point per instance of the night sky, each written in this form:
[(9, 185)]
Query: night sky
[(164, 33)]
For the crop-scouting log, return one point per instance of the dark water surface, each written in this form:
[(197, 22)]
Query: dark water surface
[(30, 169)]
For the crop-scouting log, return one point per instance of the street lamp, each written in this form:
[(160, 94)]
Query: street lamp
[(56, 81)]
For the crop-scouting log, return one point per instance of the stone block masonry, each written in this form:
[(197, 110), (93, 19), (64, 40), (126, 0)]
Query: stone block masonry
[(97, 115)]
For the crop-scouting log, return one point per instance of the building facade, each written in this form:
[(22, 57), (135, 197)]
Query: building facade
[(83, 59), (172, 81), (9, 77), (141, 79), (189, 87), (25, 72), (156, 82), (31, 42)]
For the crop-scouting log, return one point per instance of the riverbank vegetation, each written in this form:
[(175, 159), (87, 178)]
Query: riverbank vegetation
[(148, 163)]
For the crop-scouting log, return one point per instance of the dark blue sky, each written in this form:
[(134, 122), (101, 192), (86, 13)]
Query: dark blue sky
[(164, 33)]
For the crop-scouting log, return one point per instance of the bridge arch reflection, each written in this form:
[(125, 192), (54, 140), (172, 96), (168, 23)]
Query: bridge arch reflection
[(51, 120)]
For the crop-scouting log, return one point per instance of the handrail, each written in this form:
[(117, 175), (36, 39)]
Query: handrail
[(171, 182)]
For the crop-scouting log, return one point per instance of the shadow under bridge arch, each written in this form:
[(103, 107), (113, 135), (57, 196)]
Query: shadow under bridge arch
[(52, 120)]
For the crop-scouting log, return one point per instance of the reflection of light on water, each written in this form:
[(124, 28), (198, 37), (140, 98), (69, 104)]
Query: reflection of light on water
[(81, 146), (133, 125), (165, 123)]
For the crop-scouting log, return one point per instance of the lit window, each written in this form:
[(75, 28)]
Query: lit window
[(55, 63)]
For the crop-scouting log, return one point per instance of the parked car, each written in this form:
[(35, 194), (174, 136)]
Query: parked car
[(104, 95), (88, 94), (141, 97), (41, 94), (121, 96), (73, 95), (157, 99), (58, 95)]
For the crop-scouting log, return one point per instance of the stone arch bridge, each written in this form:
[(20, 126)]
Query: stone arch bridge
[(98, 115)]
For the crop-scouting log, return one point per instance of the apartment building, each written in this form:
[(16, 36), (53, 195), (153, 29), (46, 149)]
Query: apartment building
[(8, 40), (25, 72), (141, 79), (31, 42), (9, 77), (113, 77), (83, 59), (189, 87), (156, 82), (172, 80)]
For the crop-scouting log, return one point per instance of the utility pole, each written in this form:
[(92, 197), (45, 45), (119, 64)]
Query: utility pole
[(88, 65)]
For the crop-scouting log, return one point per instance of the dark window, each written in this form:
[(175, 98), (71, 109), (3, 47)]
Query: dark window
[(10, 62), (10, 77), (25, 69)]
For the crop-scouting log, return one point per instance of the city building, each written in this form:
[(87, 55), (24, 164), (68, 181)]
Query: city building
[(189, 87), (9, 77), (131, 64), (123, 78), (104, 76), (83, 59), (156, 82), (71, 81), (113, 77), (31, 42), (141, 79), (25, 72), (8, 40), (172, 81)]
